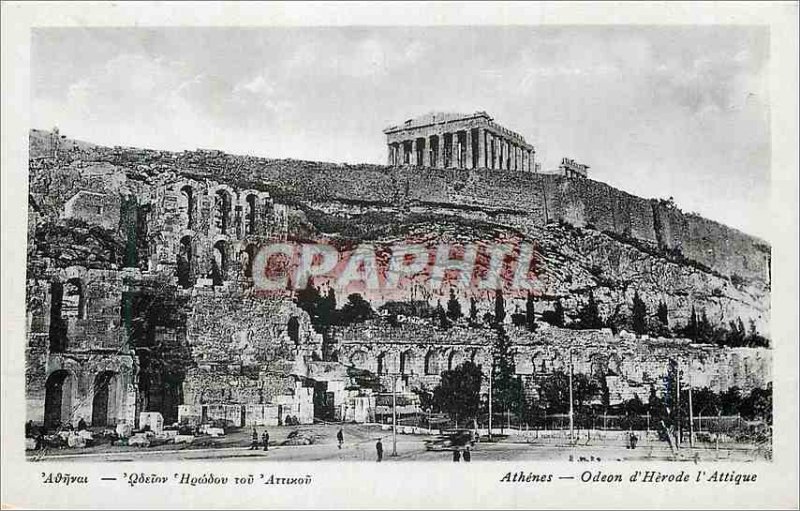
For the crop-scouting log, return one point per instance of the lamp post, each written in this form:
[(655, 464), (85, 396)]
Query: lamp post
[(491, 375), (571, 409), (394, 414)]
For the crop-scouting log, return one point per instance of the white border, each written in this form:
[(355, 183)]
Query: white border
[(427, 485)]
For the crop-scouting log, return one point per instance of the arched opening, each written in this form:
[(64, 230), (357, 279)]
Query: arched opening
[(454, 360), (248, 256), (382, 363), (407, 362), (219, 263), (359, 359), (184, 269), (431, 363), (57, 399), (104, 399), (73, 304), (58, 327), (250, 214), (222, 209), (187, 203), (293, 329)]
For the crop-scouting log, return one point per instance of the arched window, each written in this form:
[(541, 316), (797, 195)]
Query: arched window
[(73, 304), (382, 363), (219, 263), (185, 279), (250, 215), (432, 363), (222, 209), (248, 256), (58, 403), (188, 203), (406, 361)]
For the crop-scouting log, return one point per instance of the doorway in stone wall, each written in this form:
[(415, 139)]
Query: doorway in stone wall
[(100, 400), (57, 399)]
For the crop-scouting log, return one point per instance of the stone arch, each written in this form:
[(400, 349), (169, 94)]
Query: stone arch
[(60, 388), (250, 213), (73, 304), (185, 265), (223, 205), (187, 204), (248, 256), (104, 399), (219, 262), (455, 358), (381, 363), (432, 363), (359, 359), (407, 360)]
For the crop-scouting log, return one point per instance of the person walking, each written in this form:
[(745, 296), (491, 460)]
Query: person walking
[(340, 437), (254, 442), (467, 455), (456, 454), (265, 439), (379, 449)]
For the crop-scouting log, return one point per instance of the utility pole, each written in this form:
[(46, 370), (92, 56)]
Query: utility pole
[(491, 375), (691, 418), (571, 410), (394, 415), (678, 407)]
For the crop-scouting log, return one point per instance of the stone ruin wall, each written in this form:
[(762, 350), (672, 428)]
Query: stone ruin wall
[(155, 180), (639, 362)]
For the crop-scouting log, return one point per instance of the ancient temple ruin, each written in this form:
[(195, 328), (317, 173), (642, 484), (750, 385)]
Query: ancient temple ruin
[(459, 141)]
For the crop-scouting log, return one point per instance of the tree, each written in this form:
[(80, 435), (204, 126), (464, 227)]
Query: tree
[(639, 315), (453, 307), (356, 310), (441, 315), (458, 393), (506, 385), (589, 316), (530, 318), (663, 314), (556, 316), (730, 401), (499, 307)]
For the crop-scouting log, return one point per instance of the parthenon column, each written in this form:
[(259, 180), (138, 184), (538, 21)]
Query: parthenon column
[(515, 156), (453, 148), (440, 150), (468, 152), (481, 148)]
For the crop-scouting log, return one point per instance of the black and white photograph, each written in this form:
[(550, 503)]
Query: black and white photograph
[(415, 244)]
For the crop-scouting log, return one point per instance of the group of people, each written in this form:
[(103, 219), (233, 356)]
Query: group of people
[(254, 445), (458, 455)]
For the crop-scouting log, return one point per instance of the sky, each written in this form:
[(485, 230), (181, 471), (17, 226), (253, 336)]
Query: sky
[(662, 112)]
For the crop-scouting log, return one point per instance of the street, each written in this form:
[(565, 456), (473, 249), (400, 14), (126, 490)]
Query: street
[(359, 446)]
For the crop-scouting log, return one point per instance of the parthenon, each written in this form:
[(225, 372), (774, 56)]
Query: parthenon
[(461, 141)]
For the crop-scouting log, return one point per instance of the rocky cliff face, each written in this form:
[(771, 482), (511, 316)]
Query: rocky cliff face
[(589, 236)]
